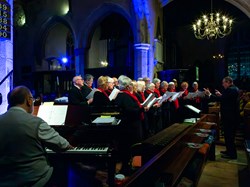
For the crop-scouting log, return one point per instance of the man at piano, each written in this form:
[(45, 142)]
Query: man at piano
[(76, 96), (23, 160)]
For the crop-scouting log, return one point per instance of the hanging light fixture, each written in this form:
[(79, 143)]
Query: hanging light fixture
[(212, 26)]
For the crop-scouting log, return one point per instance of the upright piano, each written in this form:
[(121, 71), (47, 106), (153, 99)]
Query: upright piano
[(93, 144)]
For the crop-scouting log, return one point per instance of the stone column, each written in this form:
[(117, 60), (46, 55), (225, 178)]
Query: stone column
[(141, 64), (80, 54), (6, 65)]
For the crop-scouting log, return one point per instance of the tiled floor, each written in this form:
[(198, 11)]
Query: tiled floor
[(224, 172)]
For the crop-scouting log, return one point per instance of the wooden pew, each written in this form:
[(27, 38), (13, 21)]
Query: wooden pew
[(171, 164)]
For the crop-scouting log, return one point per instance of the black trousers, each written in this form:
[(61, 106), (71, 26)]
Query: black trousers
[(230, 126)]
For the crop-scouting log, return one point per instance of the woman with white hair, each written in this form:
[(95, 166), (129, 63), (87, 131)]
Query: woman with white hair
[(140, 91), (157, 83), (174, 105), (163, 87), (154, 122), (165, 105), (131, 117), (110, 85)]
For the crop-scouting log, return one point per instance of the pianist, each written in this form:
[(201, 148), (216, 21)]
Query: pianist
[(23, 137)]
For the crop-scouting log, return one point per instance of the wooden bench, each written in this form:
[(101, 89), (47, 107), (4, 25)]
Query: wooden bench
[(172, 162)]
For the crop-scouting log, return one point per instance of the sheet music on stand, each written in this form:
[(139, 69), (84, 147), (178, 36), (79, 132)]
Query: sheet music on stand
[(106, 120), (53, 115)]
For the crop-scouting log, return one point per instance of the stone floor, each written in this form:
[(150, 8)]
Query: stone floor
[(224, 172)]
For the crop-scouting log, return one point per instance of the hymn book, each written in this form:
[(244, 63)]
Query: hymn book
[(53, 115), (148, 100), (113, 94), (192, 95), (91, 94), (176, 95)]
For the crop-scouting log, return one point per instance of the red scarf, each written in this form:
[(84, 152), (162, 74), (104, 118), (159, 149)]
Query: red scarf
[(149, 92), (142, 96), (108, 91), (135, 99), (185, 93), (157, 92), (176, 102), (163, 91), (103, 91)]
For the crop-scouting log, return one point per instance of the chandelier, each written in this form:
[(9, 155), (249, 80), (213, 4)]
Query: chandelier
[(212, 26)]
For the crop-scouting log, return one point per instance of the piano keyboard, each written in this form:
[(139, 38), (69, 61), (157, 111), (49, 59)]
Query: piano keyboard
[(84, 150)]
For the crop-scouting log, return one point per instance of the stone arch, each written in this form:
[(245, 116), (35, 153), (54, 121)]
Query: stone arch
[(88, 28), (96, 17), (39, 44), (241, 5)]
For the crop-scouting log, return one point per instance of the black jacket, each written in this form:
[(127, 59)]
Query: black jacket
[(76, 97)]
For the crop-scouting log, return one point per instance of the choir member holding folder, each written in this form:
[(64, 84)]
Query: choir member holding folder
[(131, 118), (87, 86), (165, 105), (174, 105), (153, 115), (76, 96)]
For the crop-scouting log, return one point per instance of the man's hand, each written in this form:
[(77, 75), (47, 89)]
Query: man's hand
[(90, 101), (206, 91), (217, 93), (69, 147)]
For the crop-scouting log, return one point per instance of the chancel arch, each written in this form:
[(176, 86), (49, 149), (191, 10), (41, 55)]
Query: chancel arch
[(106, 42), (55, 41)]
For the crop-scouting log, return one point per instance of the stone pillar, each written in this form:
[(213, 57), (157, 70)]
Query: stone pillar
[(142, 68), (6, 65), (79, 61)]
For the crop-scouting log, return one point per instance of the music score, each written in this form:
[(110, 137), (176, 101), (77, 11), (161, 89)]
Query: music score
[(5, 22)]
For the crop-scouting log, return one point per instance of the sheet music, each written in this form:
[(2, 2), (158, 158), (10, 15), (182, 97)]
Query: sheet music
[(48, 103), (149, 98), (104, 120), (196, 110), (53, 115), (91, 94), (176, 95), (166, 96), (192, 95), (151, 103), (113, 94)]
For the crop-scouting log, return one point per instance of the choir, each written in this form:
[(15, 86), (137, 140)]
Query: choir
[(166, 107)]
